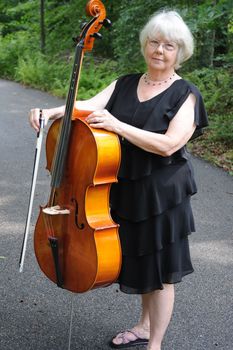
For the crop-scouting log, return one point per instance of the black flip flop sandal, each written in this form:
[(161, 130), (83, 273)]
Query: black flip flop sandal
[(128, 344)]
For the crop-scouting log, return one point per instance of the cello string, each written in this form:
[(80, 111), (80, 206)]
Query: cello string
[(62, 138), (71, 321), (60, 156)]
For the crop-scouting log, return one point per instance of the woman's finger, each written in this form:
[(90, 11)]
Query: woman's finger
[(34, 118), (98, 116)]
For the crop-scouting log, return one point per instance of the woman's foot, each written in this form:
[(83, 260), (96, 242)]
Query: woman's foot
[(129, 338)]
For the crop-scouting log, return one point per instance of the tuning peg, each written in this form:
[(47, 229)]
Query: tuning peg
[(82, 25), (106, 23), (96, 36), (76, 40)]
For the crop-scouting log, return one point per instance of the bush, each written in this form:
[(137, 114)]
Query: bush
[(221, 128), (216, 87), (96, 78), (54, 75), (12, 47), (35, 70), (217, 144)]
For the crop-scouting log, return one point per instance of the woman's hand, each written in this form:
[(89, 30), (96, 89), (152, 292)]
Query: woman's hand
[(51, 113), (34, 116), (102, 119)]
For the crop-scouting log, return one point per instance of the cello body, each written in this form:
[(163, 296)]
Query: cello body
[(76, 241), (89, 248)]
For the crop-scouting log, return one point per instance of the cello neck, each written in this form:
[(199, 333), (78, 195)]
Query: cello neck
[(63, 142), (85, 42)]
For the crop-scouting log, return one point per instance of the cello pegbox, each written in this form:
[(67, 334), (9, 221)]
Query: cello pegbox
[(96, 9)]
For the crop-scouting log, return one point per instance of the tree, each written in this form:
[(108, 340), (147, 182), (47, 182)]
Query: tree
[(42, 26)]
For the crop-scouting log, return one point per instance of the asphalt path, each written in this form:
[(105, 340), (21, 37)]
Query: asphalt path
[(35, 314)]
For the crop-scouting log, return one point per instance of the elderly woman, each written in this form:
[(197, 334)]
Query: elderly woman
[(155, 114)]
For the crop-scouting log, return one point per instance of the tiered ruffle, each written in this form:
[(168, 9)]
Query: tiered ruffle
[(139, 199), (155, 218), (136, 163), (144, 274), (144, 237)]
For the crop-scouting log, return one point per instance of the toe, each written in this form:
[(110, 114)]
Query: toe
[(124, 338)]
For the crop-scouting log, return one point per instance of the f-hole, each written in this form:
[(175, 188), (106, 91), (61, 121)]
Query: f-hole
[(79, 226)]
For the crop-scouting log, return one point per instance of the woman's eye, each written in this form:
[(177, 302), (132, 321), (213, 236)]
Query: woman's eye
[(169, 47)]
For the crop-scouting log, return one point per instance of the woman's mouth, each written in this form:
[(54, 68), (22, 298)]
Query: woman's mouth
[(157, 59)]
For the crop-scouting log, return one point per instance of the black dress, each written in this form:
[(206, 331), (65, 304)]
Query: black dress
[(151, 201)]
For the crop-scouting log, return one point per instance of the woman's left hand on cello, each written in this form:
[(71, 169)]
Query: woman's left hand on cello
[(102, 119)]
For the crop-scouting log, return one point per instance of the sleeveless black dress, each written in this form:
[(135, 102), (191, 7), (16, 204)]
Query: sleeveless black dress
[(151, 201)]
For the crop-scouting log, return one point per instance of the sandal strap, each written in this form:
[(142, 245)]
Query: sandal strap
[(126, 340), (134, 333)]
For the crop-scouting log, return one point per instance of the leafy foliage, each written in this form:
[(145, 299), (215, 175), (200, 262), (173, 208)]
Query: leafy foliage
[(216, 86), (211, 22), (54, 76)]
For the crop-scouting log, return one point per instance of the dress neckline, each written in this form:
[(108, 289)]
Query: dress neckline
[(152, 98)]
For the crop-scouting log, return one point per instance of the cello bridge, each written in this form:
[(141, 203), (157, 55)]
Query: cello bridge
[(56, 210)]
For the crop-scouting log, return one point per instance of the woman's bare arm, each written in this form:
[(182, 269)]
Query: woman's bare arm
[(179, 131), (95, 103)]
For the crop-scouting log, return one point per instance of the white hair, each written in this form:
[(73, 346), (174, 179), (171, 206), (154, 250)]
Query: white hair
[(170, 26)]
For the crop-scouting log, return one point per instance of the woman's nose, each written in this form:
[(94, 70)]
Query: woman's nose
[(159, 47)]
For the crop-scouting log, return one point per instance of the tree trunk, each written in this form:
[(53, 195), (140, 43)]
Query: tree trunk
[(42, 26)]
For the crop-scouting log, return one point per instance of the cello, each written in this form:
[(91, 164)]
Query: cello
[(76, 241)]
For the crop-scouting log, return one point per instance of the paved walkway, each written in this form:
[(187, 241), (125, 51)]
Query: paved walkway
[(34, 313)]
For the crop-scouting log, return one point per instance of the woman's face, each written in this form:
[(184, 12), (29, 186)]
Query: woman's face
[(160, 54)]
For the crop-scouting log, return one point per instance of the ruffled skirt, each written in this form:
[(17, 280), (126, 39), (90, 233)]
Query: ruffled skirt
[(155, 218), (148, 264)]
